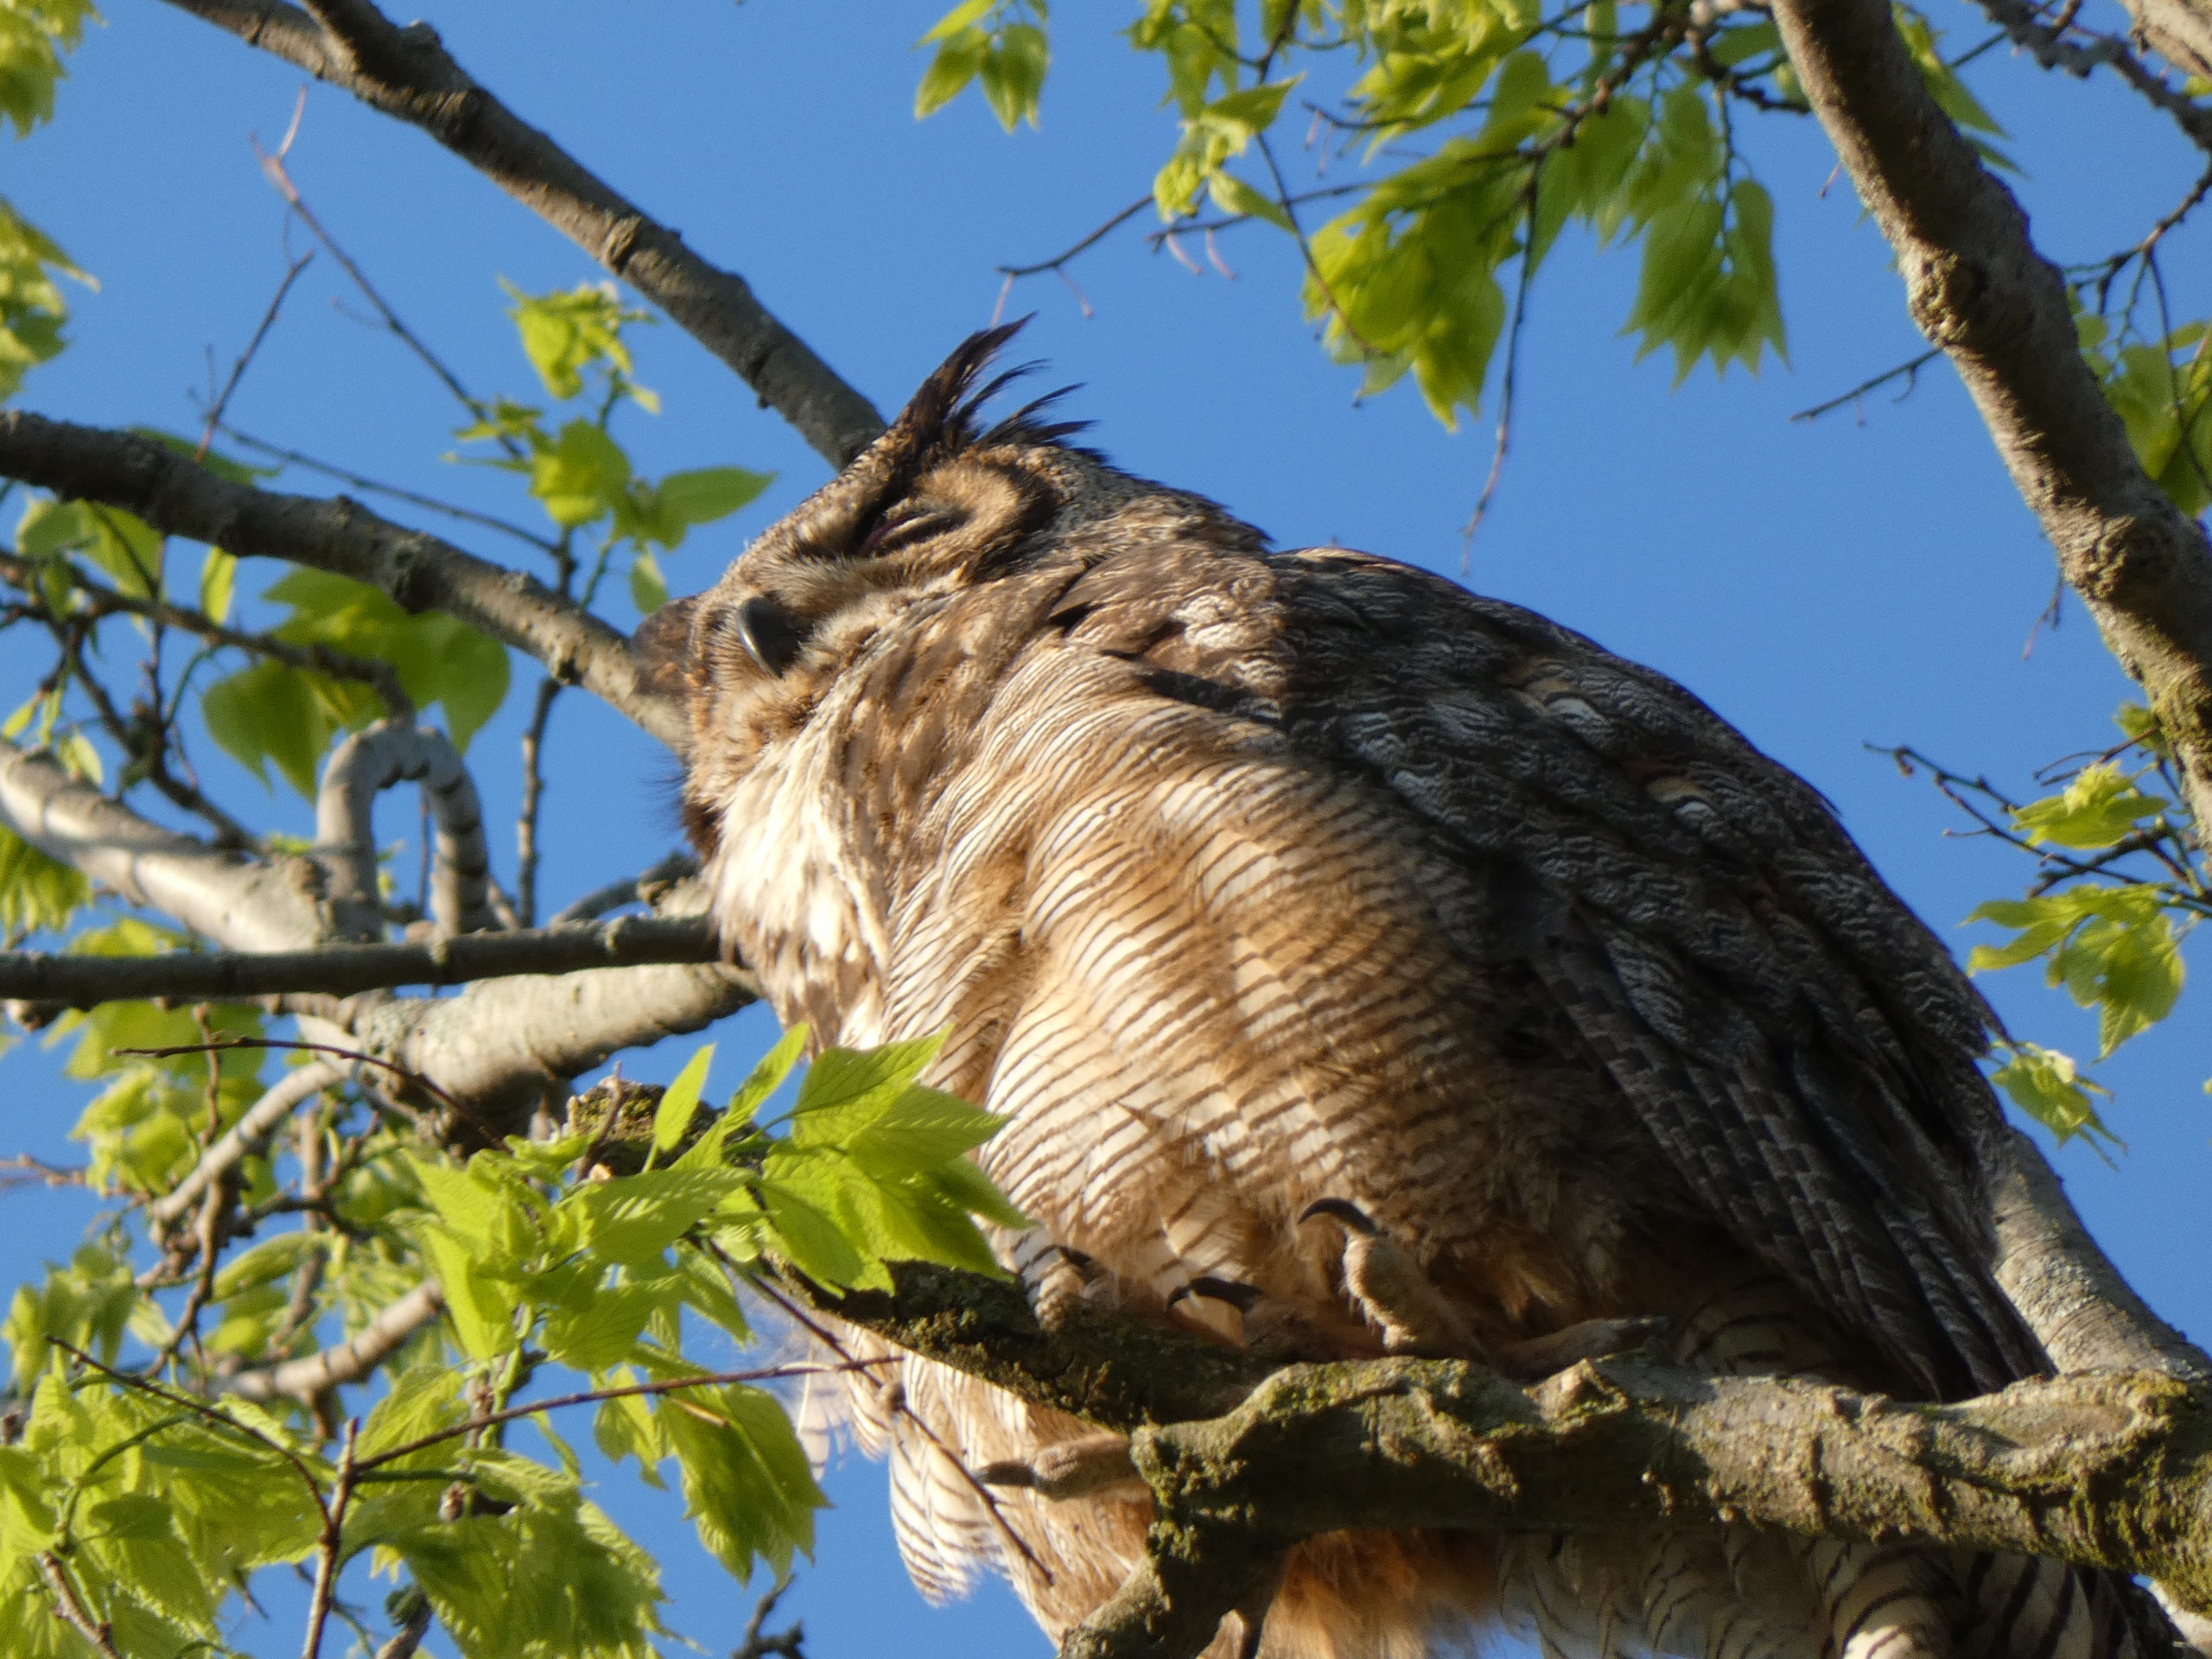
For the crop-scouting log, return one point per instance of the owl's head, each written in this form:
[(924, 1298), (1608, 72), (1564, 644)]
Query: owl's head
[(940, 503)]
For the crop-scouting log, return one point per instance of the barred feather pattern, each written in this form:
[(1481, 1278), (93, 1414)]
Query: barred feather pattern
[(1244, 880)]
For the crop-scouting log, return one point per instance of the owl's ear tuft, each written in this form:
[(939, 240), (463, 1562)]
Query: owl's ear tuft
[(663, 643), (942, 412)]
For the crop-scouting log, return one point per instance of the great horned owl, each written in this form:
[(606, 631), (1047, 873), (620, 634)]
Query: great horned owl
[(1298, 906)]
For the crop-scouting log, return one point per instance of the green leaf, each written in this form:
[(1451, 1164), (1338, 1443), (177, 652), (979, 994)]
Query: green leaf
[(747, 1483), (36, 893), (706, 493), (648, 591), (2049, 1087), (218, 574), (580, 476), (565, 333), (2099, 807), (679, 1102), (957, 21), (631, 1219), (956, 64), (32, 309)]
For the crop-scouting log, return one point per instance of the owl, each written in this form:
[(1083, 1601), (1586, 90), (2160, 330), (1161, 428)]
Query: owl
[(1360, 965)]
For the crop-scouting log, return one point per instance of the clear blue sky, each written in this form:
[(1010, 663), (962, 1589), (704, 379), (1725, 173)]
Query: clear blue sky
[(1823, 586)]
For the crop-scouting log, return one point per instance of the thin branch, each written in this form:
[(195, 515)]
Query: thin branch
[(174, 1049), (533, 795), (273, 167), (1511, 379), (329, 1547), (70, 1608), (2056, 47), (645, 888), (347, 969), (248, 904), (756, 1644), (592, 1396), (292, 270), (430, 503), (1910, 372), (407, 74), (1059, 259), (254, 1127), (418, 570), (101, 601)]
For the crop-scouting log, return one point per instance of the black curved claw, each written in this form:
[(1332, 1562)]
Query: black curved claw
[(1343, 1210), (1243, 1298)]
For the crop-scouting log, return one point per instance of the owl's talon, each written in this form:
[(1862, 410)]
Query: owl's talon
[(1098, 1465), (1389, 1287), (1543, 1355), (1054, 1280)]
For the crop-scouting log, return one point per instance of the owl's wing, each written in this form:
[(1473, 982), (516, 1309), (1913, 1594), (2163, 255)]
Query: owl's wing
[(1795, 1039)]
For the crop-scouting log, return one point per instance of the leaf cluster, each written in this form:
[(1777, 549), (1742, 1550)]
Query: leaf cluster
[(551, 1264)]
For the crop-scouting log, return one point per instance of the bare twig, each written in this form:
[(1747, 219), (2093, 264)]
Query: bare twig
[(292, 270), (641, 888), (407, 75), (756, 1644), (533, 794), (360, 482), (414, 1078), (592, 1396), (1908, 372)]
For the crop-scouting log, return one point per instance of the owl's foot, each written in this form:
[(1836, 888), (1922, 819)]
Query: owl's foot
[(1591, 1339), (1251, 1612), (1389, 1287), (1054, 1280), (1096, 1465), (1265, 1325)]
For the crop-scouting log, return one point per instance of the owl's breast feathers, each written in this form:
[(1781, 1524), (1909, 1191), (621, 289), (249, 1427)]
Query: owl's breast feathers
[(1245, 879)]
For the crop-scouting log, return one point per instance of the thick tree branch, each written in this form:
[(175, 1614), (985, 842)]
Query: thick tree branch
[(347, 969), (407, 75), (506, 1046), (248, 904), (2106, 1468), (418, 571), (1979, 290), (2086, 1317)]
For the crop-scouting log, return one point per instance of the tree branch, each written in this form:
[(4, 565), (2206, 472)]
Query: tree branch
[(1979, 289), (419, 571), (248, 904), (364, 764), (407, 75), (504, 1046), (349, 1361), (347, 969), (1244, 1463)]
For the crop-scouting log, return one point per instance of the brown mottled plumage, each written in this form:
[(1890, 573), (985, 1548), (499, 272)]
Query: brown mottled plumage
[(1246, 881)]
